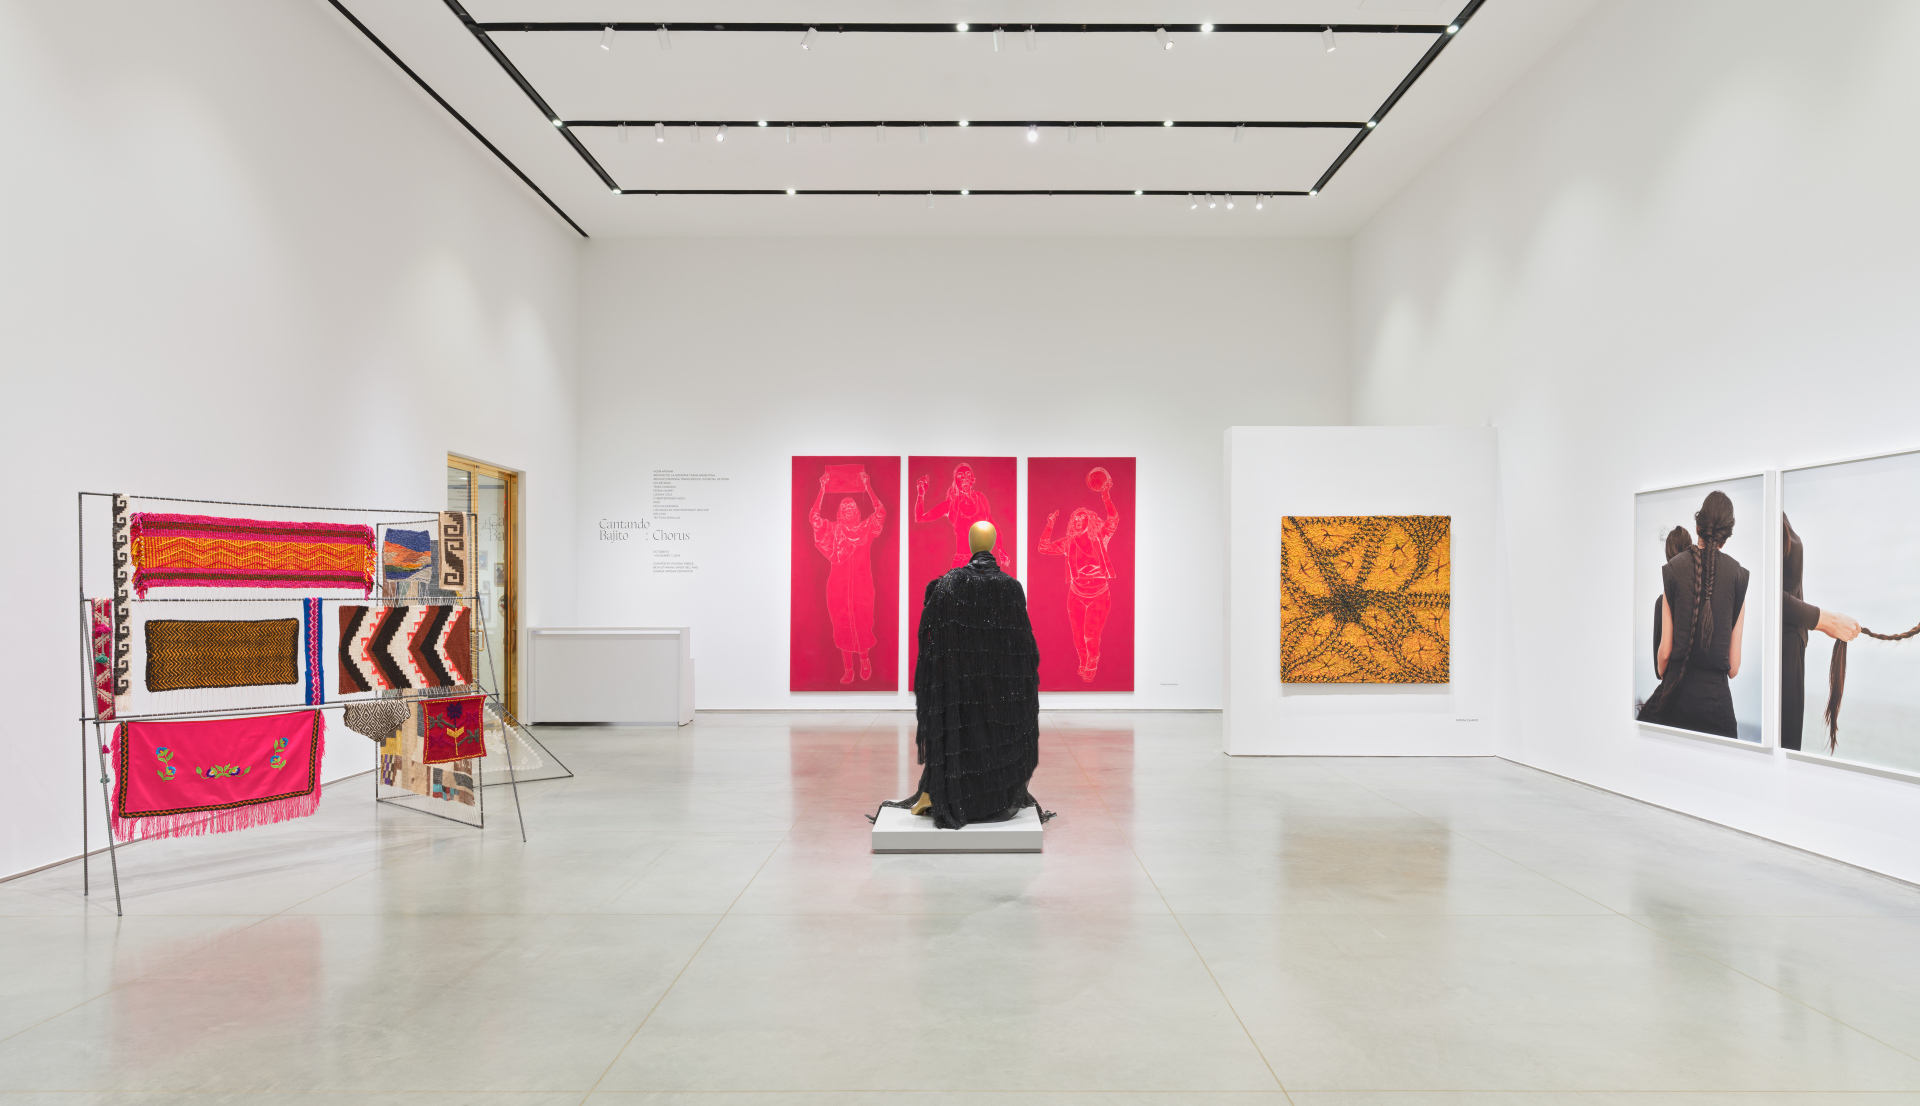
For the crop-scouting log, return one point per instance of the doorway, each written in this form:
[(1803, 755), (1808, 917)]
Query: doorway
[(492, 495)]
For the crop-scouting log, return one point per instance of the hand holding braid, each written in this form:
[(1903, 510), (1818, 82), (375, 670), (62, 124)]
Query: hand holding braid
[(1837, 679)]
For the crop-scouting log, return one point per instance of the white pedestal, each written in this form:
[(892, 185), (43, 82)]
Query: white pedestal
[(896, 831)]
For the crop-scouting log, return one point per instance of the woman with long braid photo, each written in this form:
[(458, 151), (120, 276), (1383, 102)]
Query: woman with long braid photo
[(1691, 659)]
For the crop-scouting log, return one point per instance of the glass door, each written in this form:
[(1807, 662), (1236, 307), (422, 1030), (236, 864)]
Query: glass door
[(492, 495)]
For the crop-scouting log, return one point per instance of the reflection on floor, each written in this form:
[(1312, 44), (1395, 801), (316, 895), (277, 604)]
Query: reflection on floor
[(696, 920)]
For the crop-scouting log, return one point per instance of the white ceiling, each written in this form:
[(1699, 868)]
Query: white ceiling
[(745, 77)]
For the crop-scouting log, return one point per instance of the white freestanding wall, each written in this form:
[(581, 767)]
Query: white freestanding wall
[(245, 258), (1275, 471), (1685, 246), (728, 357)]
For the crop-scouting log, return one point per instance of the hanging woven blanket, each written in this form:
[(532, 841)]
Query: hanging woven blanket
[(252, 653), (394, 648), (311, 651), (453, 551), (122, 602), (195, 551), (401, 763), (405, 554), (100, 617), (455, 728), (378, 719), (182, 779)]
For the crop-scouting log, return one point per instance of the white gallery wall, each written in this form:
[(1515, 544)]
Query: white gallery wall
[(1685, 247), (1277, 471), (726, 357), (243, 257)]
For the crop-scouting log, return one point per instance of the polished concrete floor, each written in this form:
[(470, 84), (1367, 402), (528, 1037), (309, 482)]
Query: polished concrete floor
[(696, 920)]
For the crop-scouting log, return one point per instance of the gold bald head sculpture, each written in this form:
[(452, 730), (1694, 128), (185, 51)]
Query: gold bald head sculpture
[(981, 536)]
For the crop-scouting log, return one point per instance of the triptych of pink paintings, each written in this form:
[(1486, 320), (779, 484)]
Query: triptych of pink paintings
[(849, 513)]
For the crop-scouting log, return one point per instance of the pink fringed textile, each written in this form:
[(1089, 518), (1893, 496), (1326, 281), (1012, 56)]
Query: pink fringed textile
[(196, 551), (216, 775)]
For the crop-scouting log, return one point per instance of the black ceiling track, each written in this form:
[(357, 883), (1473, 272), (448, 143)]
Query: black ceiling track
[(471, 129), (975, 28), (1443, 34)]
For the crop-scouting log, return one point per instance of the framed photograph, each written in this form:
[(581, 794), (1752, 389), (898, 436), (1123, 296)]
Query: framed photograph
[(1850, 618), (1697, 608)]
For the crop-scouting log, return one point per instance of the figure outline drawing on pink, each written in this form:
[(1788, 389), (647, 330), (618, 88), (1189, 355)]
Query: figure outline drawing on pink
[(846, 541), (964, 505), (1089, 568)]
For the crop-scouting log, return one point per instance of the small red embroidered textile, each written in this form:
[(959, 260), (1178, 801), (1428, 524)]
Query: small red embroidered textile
[(456, 728)]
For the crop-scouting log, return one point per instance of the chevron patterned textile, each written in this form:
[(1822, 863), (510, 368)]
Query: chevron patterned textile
[(396, 648), (196, 551)]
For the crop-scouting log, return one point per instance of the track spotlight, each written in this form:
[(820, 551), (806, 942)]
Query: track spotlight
[(806, 40), (763, 122), (622, 129), (996, 40), (963, 122), (1033, 132), (1239, 131), (615, 190), (961, 27), (1099, 132), (1032, 40), (790, 134), (1192, 204), (1212, 203), (665, 37), (606, 38), (1453, 28), (693, 134), (964, 192), (929, 201), (826, 132), (1259, 203), (558, 123), (1326, 40), (1206, 28), (1073, 132), (1371, 123), (879, 132), (923, 134), (1165, 42), (789, 191), (1168, 123), (1137, 192), (721, 135), (1313, 191), (1229, 201), (659, 132)]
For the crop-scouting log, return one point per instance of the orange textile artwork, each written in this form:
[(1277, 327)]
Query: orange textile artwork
[(1365, 599)]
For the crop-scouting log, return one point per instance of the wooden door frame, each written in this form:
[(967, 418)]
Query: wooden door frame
[(511, 646)]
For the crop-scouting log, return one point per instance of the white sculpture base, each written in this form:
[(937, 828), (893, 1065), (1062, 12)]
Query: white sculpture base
[(896, 831)]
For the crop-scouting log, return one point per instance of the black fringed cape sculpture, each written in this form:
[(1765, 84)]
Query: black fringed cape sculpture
[(977, 687)]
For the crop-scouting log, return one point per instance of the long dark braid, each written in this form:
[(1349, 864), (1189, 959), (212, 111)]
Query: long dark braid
[(1837, 681), (1714, 523)]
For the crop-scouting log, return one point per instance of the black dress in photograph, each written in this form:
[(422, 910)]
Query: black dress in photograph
[(1797, 618), (977, 692), (1702, 699)]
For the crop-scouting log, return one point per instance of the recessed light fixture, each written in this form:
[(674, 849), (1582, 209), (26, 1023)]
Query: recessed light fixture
[(1326, 40), (1165, 42), (606, 38), (806, 40)]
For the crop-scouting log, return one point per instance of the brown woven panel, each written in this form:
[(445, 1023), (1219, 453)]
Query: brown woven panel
[(183, 654)]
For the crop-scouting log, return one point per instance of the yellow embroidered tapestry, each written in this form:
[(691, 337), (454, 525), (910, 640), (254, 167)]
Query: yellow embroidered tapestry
[(1364, 599)]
